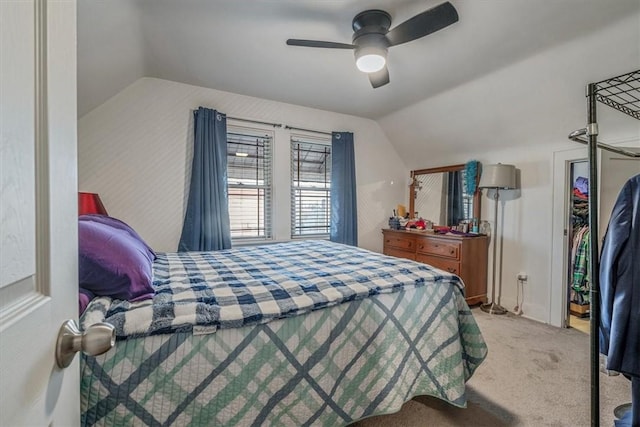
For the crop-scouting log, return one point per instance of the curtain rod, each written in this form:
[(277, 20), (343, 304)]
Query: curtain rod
[(308, 130), (275, 125)]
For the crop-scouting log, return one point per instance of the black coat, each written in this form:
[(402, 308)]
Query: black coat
[(620, 283)]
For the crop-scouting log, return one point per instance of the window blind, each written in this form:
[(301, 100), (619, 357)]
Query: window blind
[(310, 188), (467, 200), (249, 184)]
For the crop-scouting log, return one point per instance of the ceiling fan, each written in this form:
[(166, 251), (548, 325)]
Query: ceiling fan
[(372, 37)]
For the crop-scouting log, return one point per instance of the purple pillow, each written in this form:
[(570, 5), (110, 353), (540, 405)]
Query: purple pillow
[(114, 263), (84, 298), (116, 223)]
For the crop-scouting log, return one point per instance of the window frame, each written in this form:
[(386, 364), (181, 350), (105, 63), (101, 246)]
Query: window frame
[(267, 187), (319, 142)]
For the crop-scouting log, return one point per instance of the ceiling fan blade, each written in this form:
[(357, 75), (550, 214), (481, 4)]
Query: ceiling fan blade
[(423, 24), (317, 43), (379, 78)]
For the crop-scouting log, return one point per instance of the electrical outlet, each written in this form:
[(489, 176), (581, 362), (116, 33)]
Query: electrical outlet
[(522, 276)]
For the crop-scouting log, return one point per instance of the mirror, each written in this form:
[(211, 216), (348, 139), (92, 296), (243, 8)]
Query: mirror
[(439, 195)]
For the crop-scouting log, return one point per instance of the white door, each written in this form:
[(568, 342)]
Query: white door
[(38, 210)]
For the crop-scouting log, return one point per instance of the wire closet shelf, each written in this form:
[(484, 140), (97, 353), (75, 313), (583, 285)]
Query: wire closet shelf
[(623, 94)]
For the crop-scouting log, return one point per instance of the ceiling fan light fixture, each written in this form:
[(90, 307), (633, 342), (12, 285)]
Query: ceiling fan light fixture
[(373, 35), (371, 59)]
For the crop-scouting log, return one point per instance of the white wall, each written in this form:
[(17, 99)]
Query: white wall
[(527, 224), (538, 100), (531, 106), (135, 151), (111, 54), (528, 230)]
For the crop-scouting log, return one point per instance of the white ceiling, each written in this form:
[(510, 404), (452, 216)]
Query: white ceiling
[(239, 46)]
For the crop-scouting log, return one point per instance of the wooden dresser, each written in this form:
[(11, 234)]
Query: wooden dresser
[(464, 256)]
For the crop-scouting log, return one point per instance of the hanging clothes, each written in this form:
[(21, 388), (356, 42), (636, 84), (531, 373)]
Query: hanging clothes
[(620, 289), (579, 268), (580, 203), (580, 283)]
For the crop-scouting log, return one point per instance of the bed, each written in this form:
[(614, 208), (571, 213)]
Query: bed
[(291, 334)]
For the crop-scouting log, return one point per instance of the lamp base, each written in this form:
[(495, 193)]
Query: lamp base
[(493, 308)]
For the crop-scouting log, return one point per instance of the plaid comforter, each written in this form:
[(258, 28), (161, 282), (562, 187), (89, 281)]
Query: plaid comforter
[(203, 291)]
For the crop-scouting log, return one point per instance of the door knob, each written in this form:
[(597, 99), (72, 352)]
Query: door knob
[(97, 339)]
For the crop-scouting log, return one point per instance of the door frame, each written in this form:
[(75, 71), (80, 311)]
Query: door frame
[(568, 233), (558, 297), (562, 159)]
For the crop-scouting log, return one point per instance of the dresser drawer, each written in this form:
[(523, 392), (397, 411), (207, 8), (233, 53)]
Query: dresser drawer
[(465, 257), (400, 242), (445, 264), (399, 253), (439, 247)]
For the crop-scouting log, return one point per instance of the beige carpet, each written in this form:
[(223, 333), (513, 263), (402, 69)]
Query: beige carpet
[(534, 375)]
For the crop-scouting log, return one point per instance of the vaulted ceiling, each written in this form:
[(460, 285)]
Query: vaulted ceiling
[(239, 46)]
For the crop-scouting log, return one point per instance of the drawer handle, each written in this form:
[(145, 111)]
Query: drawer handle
[(451, 270), (452, 251)]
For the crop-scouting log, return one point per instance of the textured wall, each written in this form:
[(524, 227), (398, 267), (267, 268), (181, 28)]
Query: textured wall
[(534, 104), (527, 220), (538, 100), (111, 52), (134, 150)]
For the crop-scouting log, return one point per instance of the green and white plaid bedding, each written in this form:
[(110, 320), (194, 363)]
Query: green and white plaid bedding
[(329, 367)]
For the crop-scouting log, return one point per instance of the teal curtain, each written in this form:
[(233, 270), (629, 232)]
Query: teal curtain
[(344, 212), (206, 223)]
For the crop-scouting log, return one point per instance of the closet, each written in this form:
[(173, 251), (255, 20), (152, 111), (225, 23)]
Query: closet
[(614, 170), (578, 240)]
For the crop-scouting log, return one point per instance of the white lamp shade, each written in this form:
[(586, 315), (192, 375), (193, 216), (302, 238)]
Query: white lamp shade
[(498, 176)]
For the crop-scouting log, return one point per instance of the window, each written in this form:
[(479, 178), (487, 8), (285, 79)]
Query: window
[(249, 184), (310, 188), (467, 198)]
